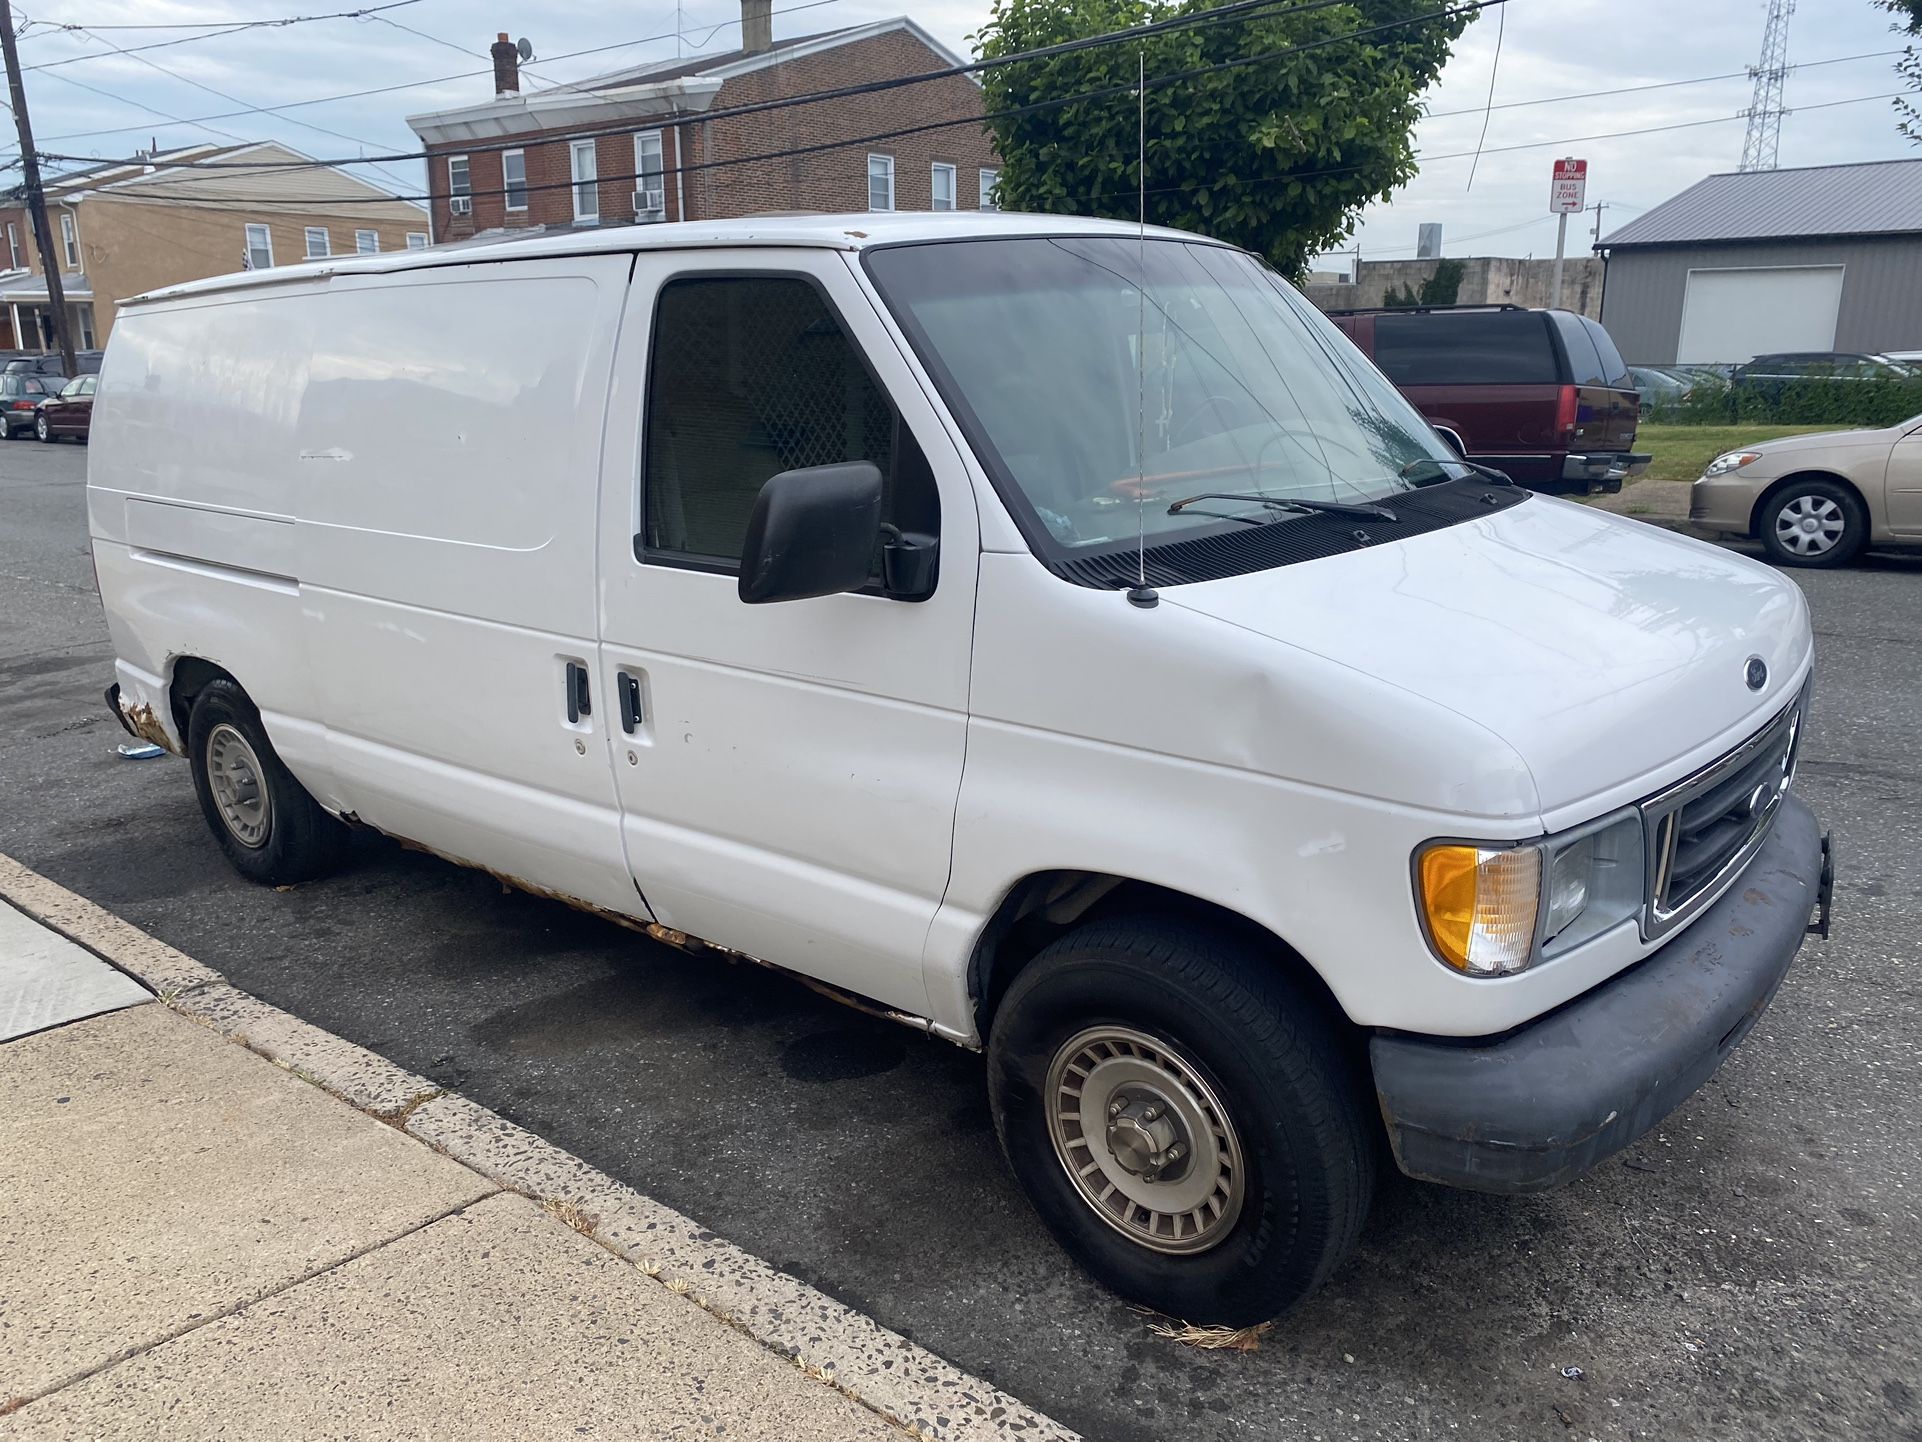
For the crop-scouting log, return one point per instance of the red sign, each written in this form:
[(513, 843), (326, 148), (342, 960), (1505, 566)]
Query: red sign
[(1569, 193)]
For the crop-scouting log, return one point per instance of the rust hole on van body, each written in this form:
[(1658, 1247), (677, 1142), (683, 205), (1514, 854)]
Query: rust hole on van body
[(146, 725), (669, 936)]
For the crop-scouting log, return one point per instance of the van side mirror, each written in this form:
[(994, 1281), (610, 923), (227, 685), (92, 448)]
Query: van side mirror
[(813, 532)]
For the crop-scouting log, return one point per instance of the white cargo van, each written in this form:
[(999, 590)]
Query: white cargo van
[(1055, 637)]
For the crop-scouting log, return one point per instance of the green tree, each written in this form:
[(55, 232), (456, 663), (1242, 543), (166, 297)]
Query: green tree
[(1278, 155), (1908, 20)]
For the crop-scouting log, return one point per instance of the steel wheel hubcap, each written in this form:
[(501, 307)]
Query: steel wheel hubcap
[(1809, 525), (1144, 1139), (240, 790)]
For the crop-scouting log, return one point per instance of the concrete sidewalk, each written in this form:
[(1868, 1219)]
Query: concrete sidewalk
[(197, 1242)]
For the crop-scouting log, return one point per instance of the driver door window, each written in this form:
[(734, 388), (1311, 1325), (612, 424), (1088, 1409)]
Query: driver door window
[(751, 376)]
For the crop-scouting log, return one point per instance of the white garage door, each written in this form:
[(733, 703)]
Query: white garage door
[(1731, 315)]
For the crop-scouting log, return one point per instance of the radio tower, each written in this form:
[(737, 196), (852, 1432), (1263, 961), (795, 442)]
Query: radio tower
[(1765, 110)]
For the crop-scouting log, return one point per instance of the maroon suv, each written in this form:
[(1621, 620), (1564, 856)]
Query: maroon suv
[(1540, 394)]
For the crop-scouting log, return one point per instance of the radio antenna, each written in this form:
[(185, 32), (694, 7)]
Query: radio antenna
[(1141, 593)]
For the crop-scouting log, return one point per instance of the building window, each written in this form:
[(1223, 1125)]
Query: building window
[(587, 197), (943, 187), (990, 189), (13, 245), (85, 312), (70, 240), (880, 182), (317, 246), (260, 248), (650, 177), (367, 242), (458, 180), (729, 354), (514, 178), (417, 240)]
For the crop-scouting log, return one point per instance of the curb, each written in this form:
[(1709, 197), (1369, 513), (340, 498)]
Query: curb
[(905, 1383)]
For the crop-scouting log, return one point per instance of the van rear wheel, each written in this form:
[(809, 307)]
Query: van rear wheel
[(1184, 1118), (272, 830)]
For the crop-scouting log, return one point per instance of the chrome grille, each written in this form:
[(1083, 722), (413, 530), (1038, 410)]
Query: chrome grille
[(1702, 831)]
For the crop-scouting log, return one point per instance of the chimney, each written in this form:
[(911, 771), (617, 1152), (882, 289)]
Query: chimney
[(507, 66), (757, 26)]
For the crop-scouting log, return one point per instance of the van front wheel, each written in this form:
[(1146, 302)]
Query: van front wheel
[(1184, 1118), (272, 830)]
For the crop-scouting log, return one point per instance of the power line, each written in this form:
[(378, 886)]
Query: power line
[(420, 84), (1053, 102), (1656, 85), (1231, 13), (234, 29), (155, 65), (217, 25)]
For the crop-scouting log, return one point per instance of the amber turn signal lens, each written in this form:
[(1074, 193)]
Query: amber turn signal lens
[(1480, 904)]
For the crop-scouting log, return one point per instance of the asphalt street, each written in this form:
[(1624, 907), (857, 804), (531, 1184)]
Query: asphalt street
[(1750, 1270)]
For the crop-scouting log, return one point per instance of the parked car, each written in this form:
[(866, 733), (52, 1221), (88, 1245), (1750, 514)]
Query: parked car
[(1698, 375), (1122, 679), (1539, 394), (1659, 390), (20, 397), (85, 362), (1773, 372), (70, 413), (1817, 500)]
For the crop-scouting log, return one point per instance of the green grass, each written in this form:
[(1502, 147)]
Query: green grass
[(1680, 452)]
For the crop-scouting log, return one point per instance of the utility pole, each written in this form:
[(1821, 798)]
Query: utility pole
[(1598, 207), (1561, 241), (36, 198)]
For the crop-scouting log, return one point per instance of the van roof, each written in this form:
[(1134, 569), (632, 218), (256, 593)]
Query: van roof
[(852, 231)]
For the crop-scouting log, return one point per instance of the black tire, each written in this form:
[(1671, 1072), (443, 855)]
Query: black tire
[(41, 430), (1274, 1055), (1824, 502), (298, 840)]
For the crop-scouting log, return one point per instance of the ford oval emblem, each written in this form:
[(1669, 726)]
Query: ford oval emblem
[(1757, 674)]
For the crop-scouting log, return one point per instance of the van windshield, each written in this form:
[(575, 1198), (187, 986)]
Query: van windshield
[(1101, 379)]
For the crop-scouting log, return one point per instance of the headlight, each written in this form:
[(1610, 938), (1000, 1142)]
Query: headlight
[(1732, 461), (1494, 910)]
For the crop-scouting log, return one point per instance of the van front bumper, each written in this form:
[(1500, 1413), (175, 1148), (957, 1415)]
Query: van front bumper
[(1541, 1105)]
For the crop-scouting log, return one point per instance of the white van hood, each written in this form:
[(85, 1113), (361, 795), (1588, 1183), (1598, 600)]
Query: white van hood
[(1603, 650)]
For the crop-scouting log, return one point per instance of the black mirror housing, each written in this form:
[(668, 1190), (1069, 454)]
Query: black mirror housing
[(813, 532)]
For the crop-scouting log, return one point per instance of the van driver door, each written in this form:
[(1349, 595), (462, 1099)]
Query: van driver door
[(787, 772)]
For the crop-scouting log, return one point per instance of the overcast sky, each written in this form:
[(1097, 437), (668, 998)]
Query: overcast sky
[(1550, 48)]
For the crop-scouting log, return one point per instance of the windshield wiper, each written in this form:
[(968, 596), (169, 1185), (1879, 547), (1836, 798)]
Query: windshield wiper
[(1287, 503), (1500, 477)]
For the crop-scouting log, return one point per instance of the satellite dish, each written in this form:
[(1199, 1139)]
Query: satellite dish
[(525, 47)]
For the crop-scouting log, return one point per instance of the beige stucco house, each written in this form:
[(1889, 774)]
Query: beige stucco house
[(119, 230)]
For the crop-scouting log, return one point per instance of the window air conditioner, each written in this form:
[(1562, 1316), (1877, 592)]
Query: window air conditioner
[(461, 205), (650, 202)]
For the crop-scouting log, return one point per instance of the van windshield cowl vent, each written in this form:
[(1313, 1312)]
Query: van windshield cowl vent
[(1286, 542)]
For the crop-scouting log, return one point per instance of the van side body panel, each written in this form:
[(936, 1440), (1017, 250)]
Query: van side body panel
[(789, 790), (190, 507), (372, 500)]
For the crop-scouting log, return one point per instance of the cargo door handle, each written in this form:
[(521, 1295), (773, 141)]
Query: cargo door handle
[(629, 688), (580, 701)]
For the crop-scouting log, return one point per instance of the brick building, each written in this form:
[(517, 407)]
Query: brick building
[(652, 142), (120, 230)]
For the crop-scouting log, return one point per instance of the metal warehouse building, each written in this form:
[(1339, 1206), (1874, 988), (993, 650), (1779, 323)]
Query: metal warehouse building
[(1825, 258)]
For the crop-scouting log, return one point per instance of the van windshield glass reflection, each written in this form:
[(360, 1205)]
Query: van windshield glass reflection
[(1100, 399)]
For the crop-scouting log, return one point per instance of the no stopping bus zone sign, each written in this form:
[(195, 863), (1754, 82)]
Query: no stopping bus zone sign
[(1569, 192)]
